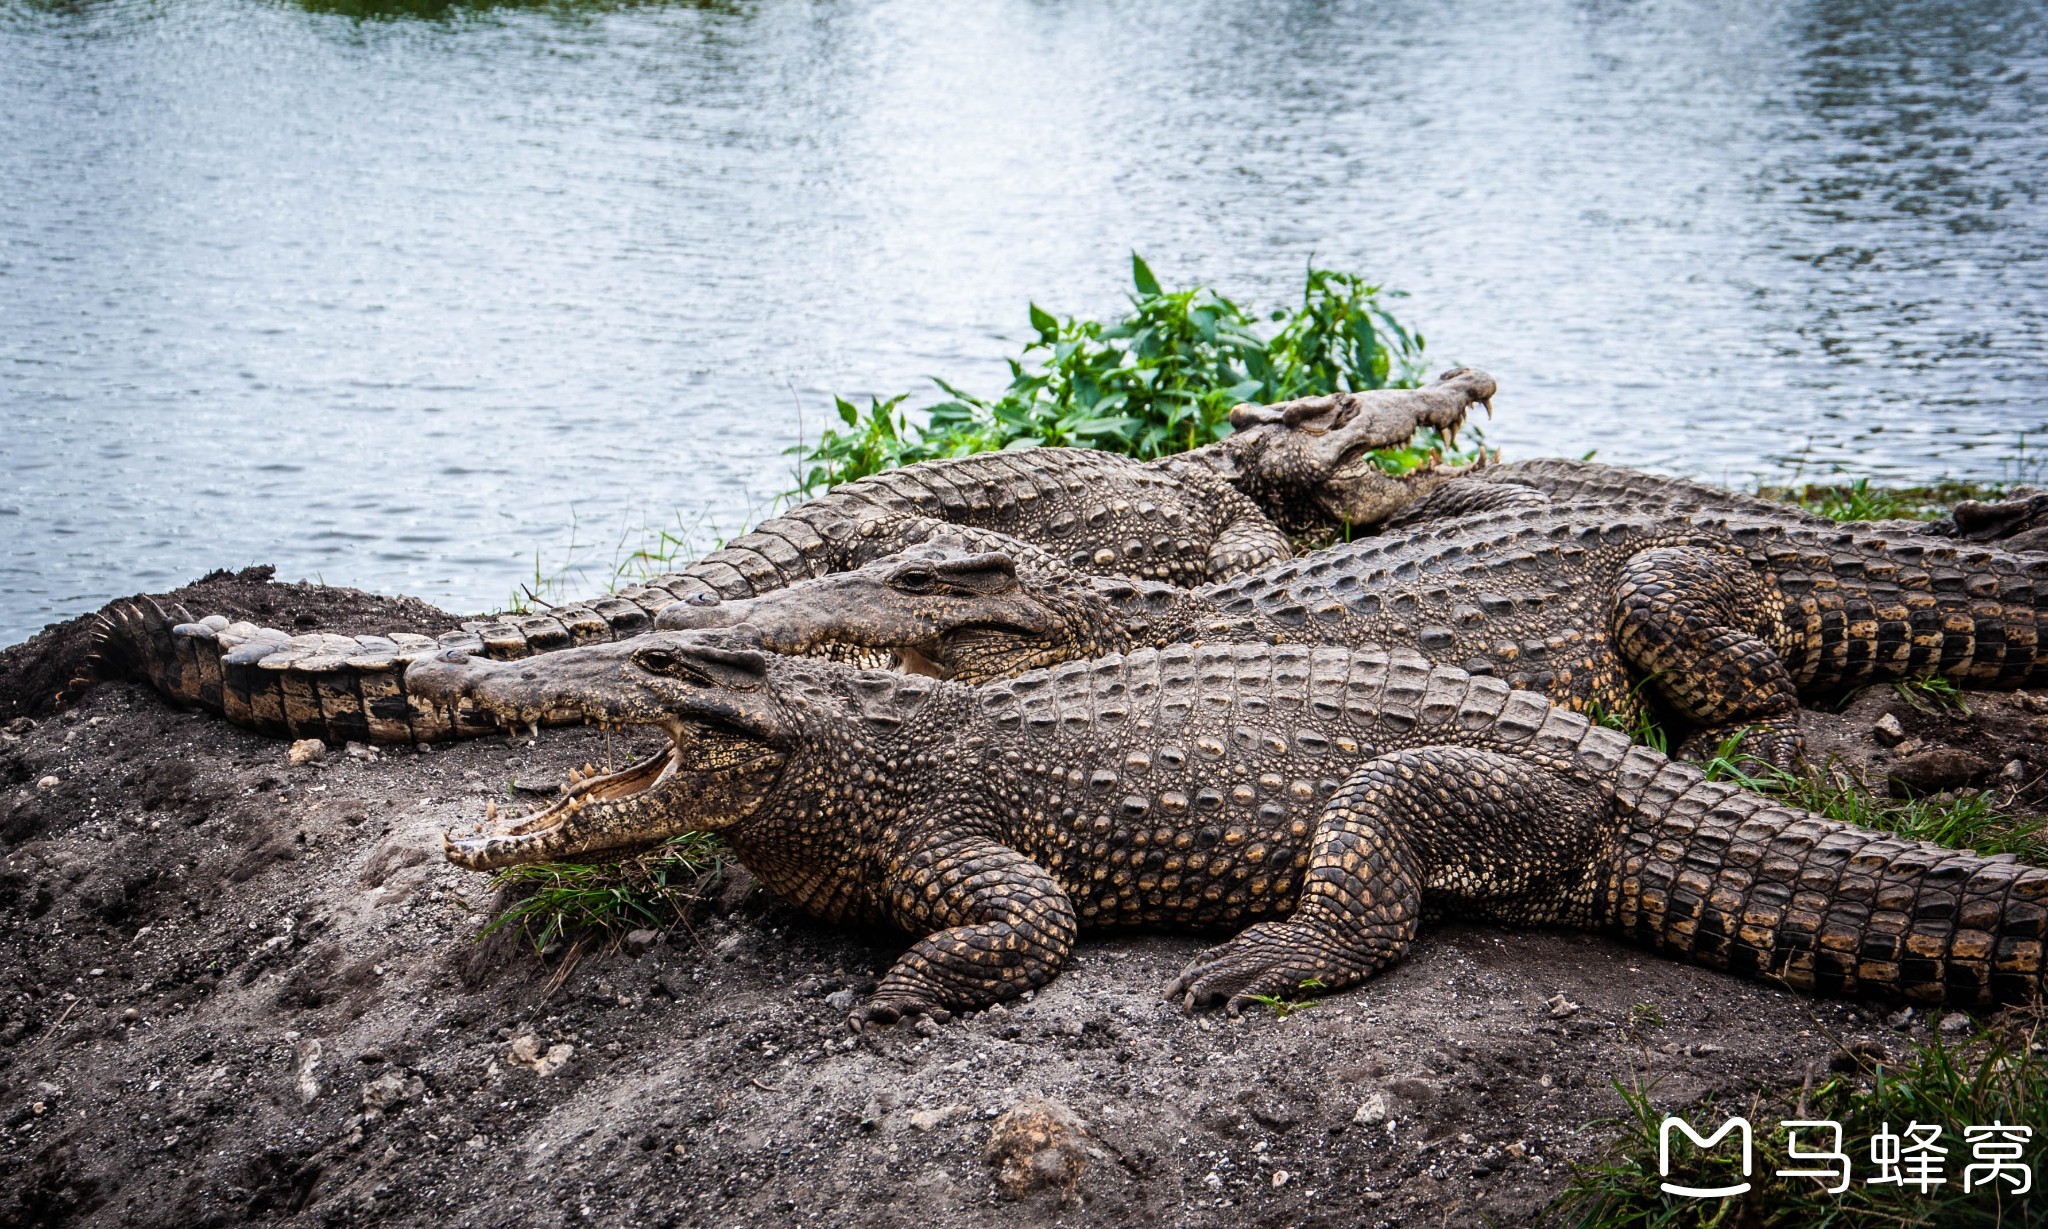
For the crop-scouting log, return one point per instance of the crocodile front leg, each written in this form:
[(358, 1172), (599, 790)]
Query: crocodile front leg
[(1454, 826), (1684, 617), (999, 923)]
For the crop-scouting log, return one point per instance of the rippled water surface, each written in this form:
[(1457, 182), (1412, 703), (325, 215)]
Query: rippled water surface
[(404, 300)]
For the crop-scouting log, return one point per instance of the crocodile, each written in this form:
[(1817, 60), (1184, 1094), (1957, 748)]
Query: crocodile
[(1319, 801), (1726, 622), (1494, 485), (1729, 621), (344, 689), (1189, 518)]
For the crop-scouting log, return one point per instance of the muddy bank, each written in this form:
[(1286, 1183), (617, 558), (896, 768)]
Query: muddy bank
[(236, 990)]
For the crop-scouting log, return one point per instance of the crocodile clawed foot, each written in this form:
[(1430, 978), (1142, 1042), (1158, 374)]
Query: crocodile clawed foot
[(880, 1013), (1268, 961)]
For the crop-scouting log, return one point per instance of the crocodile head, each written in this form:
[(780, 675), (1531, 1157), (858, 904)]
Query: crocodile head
[(943, 611), (1309, 462), (730, 737)]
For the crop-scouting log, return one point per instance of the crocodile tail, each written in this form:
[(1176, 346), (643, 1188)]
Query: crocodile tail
[(130, 638), (339, 689), (1727, 879), (1971, 614)]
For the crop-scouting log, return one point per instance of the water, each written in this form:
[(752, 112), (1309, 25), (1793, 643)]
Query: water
[(407, 303)]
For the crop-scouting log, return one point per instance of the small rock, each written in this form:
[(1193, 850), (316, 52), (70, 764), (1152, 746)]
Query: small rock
[(876, 1109), (1910, 747), (639, 942), (362, 751), (307, 1052), (2030, 701), (1937, 768), (1900, 1019), (1888, 730), (1517, 1150), (49, 783), (926, 1120), (1373, 1110), (391, 1088), (528, 1051), (306, 751), (20, 726), (1955, 1025), (1560, 1006), (1037, 1143), (2014, 772), (1280, 1177), (842, 1000)]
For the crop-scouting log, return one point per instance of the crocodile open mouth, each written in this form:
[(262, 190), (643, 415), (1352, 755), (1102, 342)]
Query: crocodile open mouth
[(900, 660), (635, 805)]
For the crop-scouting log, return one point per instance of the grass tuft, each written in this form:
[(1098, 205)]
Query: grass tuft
[(1963, 819), (655, 888)]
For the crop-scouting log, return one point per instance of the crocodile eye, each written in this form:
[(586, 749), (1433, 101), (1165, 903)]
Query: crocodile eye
[(665, 662), (915, 580)]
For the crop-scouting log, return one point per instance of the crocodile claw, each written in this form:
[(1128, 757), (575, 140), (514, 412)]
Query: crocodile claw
[(881, 1013), (1266, 960)]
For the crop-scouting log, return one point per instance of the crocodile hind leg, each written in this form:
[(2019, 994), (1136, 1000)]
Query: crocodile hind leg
[(1687, 619), (997, 924), (1471, 832)]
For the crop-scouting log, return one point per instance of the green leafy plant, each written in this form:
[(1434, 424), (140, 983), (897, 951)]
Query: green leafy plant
[(1160, 379)]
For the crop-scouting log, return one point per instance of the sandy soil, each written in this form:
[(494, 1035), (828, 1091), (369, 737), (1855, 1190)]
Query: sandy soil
[(236, 990)]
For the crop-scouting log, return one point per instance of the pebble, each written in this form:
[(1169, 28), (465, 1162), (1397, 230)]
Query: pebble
[(1888, 730), (49, 783), (306, 751), (842, 1000), (527, 1052), (391, 1088), (1372, 1111), (639, 942), (1280, 1177), (2014, 772), (1560, 1006), (926, 1120), (1955, 1024)]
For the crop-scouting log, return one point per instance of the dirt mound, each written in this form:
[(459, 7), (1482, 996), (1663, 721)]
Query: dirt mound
[(35, 674)]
